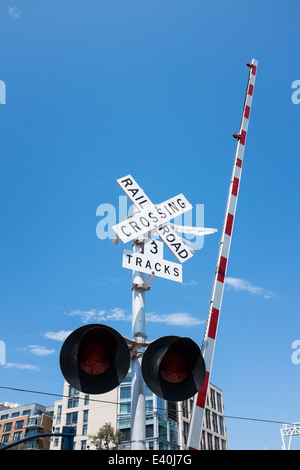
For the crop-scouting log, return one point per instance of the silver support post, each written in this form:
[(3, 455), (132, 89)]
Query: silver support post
[(138, 416)]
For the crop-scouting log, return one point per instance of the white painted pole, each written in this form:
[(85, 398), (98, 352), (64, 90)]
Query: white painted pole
[(138, 415)]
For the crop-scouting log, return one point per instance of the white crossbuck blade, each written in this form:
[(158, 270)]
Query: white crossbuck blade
[(198, 231)]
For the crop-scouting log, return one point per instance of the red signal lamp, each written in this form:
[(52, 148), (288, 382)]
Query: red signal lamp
[(94, 359), (173, 368)]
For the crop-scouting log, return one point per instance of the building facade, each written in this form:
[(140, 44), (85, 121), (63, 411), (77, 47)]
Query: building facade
[(162, 427), (214, 434), (167, 423), (87, 413), (19, 421)]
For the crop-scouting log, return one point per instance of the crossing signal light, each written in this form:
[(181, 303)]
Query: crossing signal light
[(94, 359), (173, 368)]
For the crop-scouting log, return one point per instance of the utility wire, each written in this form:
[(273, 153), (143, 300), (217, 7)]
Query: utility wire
[(259, 419), (57, 395), (116, 403)]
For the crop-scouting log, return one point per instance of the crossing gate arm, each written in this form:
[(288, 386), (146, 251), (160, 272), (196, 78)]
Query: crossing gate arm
[(209, 340)]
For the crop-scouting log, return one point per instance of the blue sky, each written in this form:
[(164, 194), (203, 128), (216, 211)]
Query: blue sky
[(97, 90)]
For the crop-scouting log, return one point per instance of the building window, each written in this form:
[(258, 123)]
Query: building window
[(20, 424), (71, 418), (185, 409), (125, 393), (207, 400), (5, 438), (58, 417), (83, 445), (34, 421), (203, 446), (215, 422), (162, 428), (126, 432), (149, 399), (56, 439), (217, 443), (221, 425), (7, 427), (56, 442), (125, 408), (172, 411), (161, 406), (72, 391), (173, 428), (150, 445), (85, 416), (17, 436), (149, 430), (163, 446), (212, 399), (207, 418), (186, 428), (128, 377), (125, 399), (84, 430), (73, 402), (219, 402), (209, 441), (87, 400)]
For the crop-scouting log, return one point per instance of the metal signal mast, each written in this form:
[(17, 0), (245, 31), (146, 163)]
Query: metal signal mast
[(208, 345)]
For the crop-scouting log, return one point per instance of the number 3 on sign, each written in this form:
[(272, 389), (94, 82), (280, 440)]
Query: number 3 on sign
[(154, 248)]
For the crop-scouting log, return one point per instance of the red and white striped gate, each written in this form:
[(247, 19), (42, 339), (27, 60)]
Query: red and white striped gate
[(209, 340)]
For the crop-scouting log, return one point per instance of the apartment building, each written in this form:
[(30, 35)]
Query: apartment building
[(162, 423), (214, 434), (167, 423), (19, 421), (87, 413)]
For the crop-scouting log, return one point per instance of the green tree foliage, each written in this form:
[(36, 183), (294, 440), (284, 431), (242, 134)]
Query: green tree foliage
[(106, 438)]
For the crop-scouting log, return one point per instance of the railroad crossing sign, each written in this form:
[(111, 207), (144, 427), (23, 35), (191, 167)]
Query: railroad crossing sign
[(153, 217), (150, 218)]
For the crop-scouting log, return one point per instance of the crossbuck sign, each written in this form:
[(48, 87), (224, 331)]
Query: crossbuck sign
[(155, 218)]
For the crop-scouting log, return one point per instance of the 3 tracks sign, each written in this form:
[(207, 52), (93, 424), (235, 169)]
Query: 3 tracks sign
[(152, 262)]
